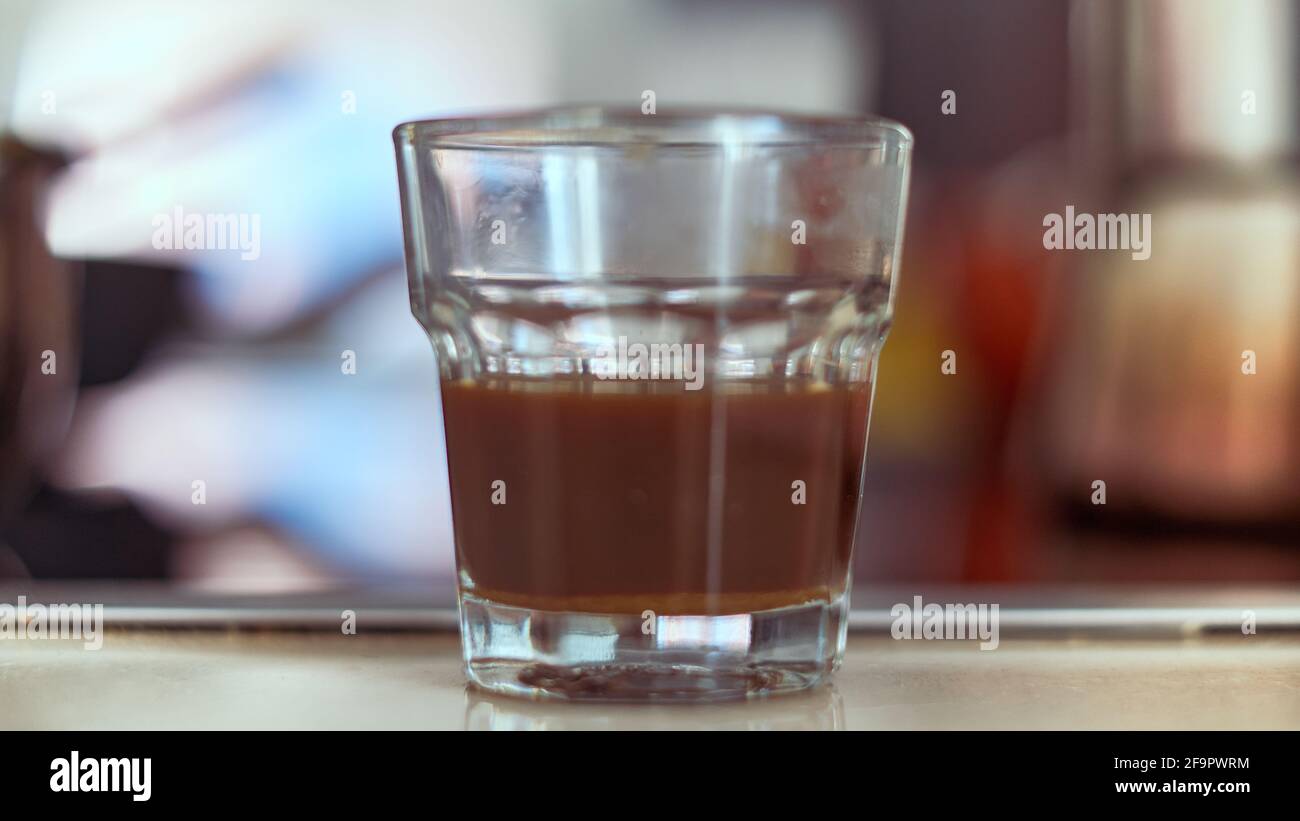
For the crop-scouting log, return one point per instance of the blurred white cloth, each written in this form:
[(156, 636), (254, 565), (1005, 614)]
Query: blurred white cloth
[(282, 111)]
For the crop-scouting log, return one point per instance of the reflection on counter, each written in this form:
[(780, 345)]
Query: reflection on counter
[(820, 709)]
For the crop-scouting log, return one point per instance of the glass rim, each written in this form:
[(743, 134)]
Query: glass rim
[(596, 126)]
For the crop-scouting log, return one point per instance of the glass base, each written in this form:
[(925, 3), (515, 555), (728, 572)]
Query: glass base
[(542, 654)]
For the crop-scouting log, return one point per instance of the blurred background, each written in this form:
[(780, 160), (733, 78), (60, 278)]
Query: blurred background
[(187, 415)]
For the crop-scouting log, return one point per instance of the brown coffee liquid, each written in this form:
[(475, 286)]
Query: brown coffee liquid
[(621, 497)]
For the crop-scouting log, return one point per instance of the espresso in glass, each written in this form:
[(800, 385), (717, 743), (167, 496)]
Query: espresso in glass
[(657, 341), (571, 497)]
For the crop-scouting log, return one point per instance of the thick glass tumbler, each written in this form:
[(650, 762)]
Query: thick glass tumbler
[(656, 339)]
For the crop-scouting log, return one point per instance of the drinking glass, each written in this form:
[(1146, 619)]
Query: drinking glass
[(656, 338)]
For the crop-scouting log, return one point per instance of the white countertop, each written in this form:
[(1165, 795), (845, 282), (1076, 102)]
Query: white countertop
[(174, 679)]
